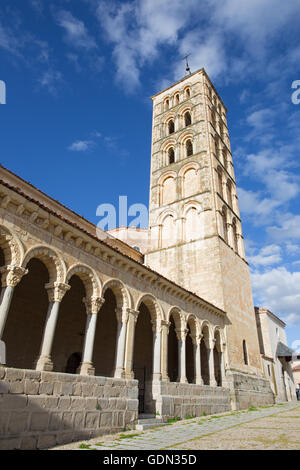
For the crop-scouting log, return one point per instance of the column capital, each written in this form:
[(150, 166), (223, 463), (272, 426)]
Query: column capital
[(12, 275), (197, 339), (133, 314), (156, 325), (56, 291), (181, 333), (122, 314), (93, 304), (165, 324)]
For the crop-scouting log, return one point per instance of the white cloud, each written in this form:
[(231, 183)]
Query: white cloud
[(81, 145), (289, 229), (267, 256), (49, 80), (279, 291), (76, 33)]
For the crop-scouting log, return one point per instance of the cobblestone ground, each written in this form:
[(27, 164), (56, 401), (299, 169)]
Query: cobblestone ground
[(272, 427)]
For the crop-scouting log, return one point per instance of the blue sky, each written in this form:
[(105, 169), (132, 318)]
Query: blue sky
[(77, 123)]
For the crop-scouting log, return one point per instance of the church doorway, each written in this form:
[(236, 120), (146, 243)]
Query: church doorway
[(143, 359)]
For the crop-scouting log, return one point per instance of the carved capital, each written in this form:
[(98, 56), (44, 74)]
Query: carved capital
[(93, 304), (56, 291), (122, 315), (181, 334), (12, 275), (165, 326)]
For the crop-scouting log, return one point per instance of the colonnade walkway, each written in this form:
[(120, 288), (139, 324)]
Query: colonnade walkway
[(184, 434)]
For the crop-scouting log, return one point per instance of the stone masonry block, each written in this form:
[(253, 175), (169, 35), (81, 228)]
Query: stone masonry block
[(14, 374), (106, 419), (31, 387), (46, 388), (18, 422), (11, 402), (92, 419), (39, 421)]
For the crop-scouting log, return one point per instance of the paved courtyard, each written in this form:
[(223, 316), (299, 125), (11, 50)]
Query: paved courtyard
[(272, 427)]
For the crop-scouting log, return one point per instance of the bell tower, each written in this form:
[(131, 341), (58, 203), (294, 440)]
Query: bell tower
[(195, 232)]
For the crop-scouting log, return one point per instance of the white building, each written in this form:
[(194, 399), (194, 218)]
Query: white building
[(276, 355)]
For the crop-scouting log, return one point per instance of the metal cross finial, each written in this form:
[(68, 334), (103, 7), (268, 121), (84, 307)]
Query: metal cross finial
[(187, 70)]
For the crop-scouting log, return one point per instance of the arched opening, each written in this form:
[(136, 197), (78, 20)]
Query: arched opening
[(177, 98), (245, 353), (218, 359), (187, 119), (189, 148), (229, 193), (187, 93), (224, 225), (167, 104), (106, 336), (171, 126), (70, 329), (220, 182), (143, 359), (2, 258), (172, 352), (190, 366), (25, 323), (235, 237), (171, 155), (73, 363), (204, 356)]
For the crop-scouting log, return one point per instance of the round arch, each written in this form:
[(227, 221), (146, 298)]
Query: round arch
[(12, 247), (89, 278), (121, 293), (53, 262)]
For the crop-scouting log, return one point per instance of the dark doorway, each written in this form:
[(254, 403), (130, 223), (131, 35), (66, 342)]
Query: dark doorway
[(172, 352), (73, 363)]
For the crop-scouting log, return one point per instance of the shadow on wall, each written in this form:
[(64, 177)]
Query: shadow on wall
[(39, 410)]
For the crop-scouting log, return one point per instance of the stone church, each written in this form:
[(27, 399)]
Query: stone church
[(94, 331)]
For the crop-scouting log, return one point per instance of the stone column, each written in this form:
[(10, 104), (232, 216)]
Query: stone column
[(122, 318), (222, 365), (197, 359), (181, 336), (10, 277), (212, 379), (156, 328), (93, 306), (132, 319), (165, 325), (56, 293)]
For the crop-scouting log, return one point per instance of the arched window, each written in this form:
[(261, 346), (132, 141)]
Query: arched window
[(245, 353), (190, 182), (171, 155), (235, 237), (168, 190), (229, 193), (187, 119), (171, 126), (220, 182), (167, 104), (168, 232), (192, 225), (177, 98), (189, 148), (187, 93), (213, 119), (224, 223), (224, 158)]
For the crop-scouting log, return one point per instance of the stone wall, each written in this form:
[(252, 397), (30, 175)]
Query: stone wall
[(248, 390), (182, 400), (42, 409)]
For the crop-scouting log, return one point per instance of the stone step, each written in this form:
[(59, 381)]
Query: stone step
[(142, 427), (148, 423)]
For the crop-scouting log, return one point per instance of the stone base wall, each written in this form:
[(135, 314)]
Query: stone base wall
[(182, 400), (248, 390), (39, 410)]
